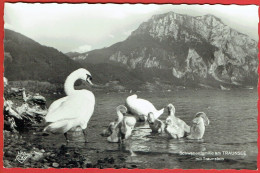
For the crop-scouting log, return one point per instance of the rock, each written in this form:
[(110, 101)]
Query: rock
[(89, 165), (9, 154), (63, 150), (24, 115), (116, 166), (36, 156), (111, 160), (100, 161), (45, 134), (8, 125), (39, 99), (133, 166), (122, 158), (7, 164), (9, 109), (7, 133), (87, 161), (55, 165), (73, 162), (46, 166), (224, 88), (16, 90)]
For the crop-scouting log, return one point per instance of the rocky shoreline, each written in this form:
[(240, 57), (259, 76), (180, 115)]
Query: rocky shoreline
[(23, 110), (20, 153)]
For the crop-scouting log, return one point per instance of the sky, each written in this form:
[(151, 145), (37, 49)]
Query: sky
[(84, 27)]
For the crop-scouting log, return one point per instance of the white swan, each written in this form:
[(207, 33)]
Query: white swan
[(75, 109), (156, 125), (175, 127), (121, 128), (198, 126), (142, 107)]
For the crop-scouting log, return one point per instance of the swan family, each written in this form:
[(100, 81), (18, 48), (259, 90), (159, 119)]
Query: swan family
[(75, 110)]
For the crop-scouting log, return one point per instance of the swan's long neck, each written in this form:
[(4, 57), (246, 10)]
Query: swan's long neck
[(69, 84), (172, 114), (120, 116)]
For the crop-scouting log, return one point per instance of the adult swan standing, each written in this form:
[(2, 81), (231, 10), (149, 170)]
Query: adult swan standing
[(75, 109), (142, 108)]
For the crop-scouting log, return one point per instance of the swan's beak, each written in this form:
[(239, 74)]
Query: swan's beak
[(89, 81)]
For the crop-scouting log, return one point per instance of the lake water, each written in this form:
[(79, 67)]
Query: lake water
[(233, 127)]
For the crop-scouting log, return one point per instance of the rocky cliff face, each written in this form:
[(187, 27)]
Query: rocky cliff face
[(191, 48)]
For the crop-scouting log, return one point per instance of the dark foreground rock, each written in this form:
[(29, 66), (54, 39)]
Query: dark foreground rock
[(22, 109), (21, 153)]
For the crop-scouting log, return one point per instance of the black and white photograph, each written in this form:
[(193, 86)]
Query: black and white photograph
[(136, 86)]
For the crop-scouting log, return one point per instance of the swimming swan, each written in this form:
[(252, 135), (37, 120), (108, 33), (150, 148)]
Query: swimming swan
[(156, 125), (121, 128), (75, 109), (141, 107), (175, 127), (198, 126)]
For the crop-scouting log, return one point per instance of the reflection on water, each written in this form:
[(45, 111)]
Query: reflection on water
[(233, 118)]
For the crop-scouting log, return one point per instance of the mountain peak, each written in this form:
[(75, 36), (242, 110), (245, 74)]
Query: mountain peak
[(212, 16), (173, 25), (184, 50)]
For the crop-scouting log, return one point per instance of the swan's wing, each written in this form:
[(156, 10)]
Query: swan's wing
[(183, 125), (140, 106), (59, 126), (157, 114), (145, 103), (134, 96), (205, 119), (186, 128), (75, 106), (133, 101), (56, 104)]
